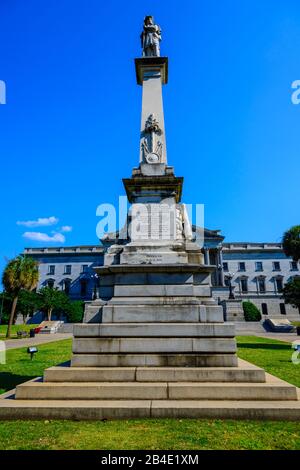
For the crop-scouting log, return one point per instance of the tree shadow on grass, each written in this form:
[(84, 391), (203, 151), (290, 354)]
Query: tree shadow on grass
[(8, 381)]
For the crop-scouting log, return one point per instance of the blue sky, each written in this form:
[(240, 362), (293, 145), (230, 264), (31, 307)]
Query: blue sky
[(70, 128)]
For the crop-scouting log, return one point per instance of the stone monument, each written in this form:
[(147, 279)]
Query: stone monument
[(154, 343), (156, 279)]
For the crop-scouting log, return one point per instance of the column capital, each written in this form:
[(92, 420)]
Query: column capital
[(147, 64)]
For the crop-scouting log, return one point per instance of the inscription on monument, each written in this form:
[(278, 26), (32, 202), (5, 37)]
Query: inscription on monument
[(154, 222)]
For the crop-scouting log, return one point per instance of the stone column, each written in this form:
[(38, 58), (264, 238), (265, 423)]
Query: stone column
[(152, 74)]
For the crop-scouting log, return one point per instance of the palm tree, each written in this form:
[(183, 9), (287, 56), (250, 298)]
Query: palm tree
[(21, 273), (291, 242), (50, 299)]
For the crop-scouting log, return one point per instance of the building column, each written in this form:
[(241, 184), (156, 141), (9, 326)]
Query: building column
[(220, 262), (206, 256)]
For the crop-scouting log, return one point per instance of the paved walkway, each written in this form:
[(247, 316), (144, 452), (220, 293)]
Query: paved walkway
[(38, 339)]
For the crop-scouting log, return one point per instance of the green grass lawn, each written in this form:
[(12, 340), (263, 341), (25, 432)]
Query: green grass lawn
[(14, 329), (274, 356), (156, 434), (19, 368)]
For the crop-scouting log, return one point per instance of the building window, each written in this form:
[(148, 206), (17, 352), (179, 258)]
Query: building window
[(50, 283), (66, 286), (259, 266), (84, 268), (83, 287), (276, 266), (244, 285), (294, 266), (264, 309), (68, 269), (51, 269), (279, 284), (282, 309), (242, 267), (261, 284), (225, 267)]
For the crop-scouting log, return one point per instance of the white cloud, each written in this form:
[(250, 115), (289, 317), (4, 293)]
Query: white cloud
[(66, 228), (40, 222), (43, 237)]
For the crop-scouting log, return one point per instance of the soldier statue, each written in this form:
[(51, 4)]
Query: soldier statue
[(150, 38)]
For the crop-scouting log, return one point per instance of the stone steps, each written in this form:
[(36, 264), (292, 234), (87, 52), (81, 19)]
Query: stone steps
[(126, 409), (154, 374), (159, 360), (273, 390)]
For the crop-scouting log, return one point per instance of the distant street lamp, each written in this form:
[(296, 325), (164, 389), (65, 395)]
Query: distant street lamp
[(229, 277), (95, 278)]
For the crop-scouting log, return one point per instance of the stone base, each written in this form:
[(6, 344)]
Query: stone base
[(129, 370), (233, 310), (243, 392), (155, 330), (153, 390), (154, 293), (173, 345), (241, 374), (128, 409), (158, 360), (154, 344), (160, 349), (153, 309)]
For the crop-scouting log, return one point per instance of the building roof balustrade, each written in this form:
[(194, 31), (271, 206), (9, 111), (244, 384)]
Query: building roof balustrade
[(88, 249), (251, 247)]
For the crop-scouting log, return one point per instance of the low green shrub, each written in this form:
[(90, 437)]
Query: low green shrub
[(251, 312)]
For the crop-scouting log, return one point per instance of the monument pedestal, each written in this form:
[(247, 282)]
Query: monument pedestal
[(233, 310)]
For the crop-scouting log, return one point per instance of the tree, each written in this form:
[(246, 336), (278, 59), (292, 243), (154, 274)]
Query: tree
[(291, 292), (251, 312), (51, 299), (74, 311), (28, 303), (5, 306), (291, 242), (21, 273)]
